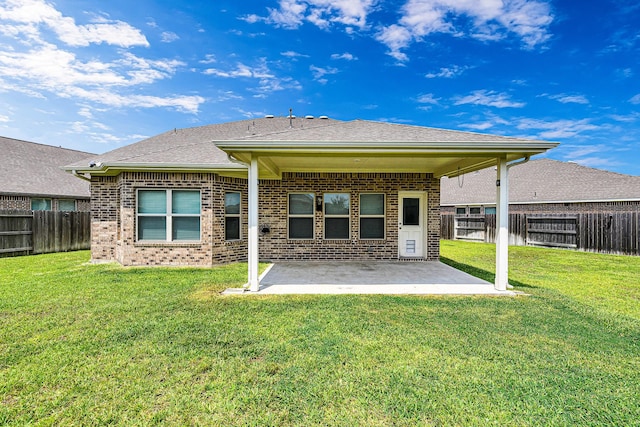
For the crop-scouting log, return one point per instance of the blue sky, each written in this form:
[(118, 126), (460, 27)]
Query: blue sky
[(95, 75)]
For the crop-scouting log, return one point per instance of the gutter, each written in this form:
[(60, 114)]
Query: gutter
[(78, 175), (518, 162)]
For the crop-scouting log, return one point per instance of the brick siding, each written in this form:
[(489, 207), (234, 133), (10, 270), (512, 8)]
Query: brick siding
[(11, 202), (273, 194), (113, 207)]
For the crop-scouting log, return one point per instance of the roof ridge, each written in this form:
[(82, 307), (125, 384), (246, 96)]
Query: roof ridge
[(45, 145), (331, 122)]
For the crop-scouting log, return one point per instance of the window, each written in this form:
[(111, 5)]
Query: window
[(301, 215), (232, 216), (168, 215), (66, 205), (40, 204), (336, 215), (490, 211), (474, 210), (461, 211), (372, 216)]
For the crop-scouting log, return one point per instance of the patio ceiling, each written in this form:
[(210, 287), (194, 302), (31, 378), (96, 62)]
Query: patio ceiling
[(441, 159)]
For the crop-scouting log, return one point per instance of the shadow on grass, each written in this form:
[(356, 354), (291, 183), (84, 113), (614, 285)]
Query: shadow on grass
[(480, 273)]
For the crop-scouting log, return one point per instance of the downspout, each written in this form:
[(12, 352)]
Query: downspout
[(77, 175), (518, 162)]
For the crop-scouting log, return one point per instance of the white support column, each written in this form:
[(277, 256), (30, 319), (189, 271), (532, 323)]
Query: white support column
[(502, 225), (253, 257)]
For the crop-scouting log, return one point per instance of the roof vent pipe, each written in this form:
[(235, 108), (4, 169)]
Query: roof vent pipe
[(290, 117)]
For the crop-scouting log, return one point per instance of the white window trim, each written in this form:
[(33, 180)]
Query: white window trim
[(312, 215), (238, 215), (325, 216), (168, 215), (383, 216)]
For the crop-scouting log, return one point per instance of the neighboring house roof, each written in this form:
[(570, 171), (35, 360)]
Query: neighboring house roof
[(541, 181), (300, 143), (28, 168)]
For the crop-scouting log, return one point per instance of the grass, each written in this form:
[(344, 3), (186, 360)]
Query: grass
[(88, 344)]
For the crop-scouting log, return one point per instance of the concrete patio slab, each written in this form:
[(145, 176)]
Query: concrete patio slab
[(388, 277)]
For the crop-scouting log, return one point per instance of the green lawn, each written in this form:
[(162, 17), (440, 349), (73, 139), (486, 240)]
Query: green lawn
[(88, 344)]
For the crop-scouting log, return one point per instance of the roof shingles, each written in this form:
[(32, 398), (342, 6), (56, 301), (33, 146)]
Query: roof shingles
[(541, 181)]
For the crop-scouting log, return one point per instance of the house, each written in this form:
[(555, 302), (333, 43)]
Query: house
[(31, 178), (283, 188), (551, 204), (543, 186)]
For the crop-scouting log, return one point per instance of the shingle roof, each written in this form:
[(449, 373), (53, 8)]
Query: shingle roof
[(34, 169), (192, 146), (540, 181), (370, 131)]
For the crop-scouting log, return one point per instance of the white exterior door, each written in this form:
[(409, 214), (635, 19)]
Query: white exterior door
[(411, 229)]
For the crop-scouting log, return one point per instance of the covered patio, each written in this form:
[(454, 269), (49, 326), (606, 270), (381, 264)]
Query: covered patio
[(363, 147), (371, 277)]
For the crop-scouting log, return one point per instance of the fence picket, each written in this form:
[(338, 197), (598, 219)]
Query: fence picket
[(38, 232), (605, 232)]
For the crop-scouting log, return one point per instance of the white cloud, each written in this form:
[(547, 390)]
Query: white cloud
[(261, 71), (427, 98), (292, 54), (490, 99), (319, 73), (37, 66), (598, 162), (486, 20), (570, 99), (635, 99), (168, 37), (323, 13), (557, 129), (479, 126), (251, 19), (29, 15), (4, 119), (346, 56), (448, 73), (267, 81), (208, 59)]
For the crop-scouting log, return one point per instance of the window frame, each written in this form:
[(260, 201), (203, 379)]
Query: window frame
[(490, 208), (383, 216), (168, 215), (75, 204), (330, 216), (47, 201), (233, 215), (312, 215), (474, 208)]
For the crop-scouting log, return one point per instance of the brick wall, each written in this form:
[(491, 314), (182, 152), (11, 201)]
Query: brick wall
[(273, 196), (114, 221), (24, 203), (113, 207)]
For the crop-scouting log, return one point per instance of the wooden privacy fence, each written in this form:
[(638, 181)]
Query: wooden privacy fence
[(605, 232), (39, 232)]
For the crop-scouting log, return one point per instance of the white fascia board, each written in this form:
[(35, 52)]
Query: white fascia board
[(108, 168), (387, 147)]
